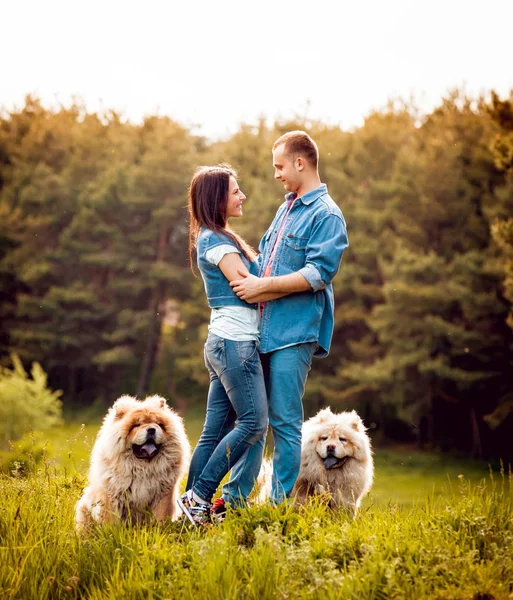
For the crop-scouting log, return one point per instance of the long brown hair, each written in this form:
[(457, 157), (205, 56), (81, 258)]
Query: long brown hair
[(208, 197)]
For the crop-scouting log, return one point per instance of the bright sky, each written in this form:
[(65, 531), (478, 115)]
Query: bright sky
[(215, 64)]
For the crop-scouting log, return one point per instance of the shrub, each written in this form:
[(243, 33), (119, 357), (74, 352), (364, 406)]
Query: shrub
[(26, 403)]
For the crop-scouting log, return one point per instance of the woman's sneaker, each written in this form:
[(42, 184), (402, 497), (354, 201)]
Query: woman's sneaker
[(197, 513), (218, 510)]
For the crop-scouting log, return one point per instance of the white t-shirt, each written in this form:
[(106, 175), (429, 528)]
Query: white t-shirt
[(236, 323)]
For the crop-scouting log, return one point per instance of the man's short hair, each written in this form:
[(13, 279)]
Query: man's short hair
[(299, 143)]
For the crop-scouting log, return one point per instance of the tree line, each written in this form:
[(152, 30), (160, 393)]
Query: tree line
[(95, 283)]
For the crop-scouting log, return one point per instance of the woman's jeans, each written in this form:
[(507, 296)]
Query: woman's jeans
[(236, 396)]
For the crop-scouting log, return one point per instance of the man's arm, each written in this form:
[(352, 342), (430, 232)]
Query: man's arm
[(323, 254), (233, 269), (327, 242), (263, 289)]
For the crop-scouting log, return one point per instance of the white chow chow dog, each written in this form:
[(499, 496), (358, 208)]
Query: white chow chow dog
[(336, 459), (140, 455)]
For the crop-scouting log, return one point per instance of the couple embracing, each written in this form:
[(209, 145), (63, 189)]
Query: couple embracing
[(271, 313)]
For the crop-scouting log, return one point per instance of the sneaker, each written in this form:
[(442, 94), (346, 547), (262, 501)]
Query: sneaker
[(198, 514), (218, 510)]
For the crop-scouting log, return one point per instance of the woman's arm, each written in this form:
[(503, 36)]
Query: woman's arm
[(232, 267)]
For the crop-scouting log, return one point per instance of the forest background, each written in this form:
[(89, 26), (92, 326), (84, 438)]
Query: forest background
[(95, 283)]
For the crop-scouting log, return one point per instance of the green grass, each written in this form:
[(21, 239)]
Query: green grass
[(402, 475), (407, 476), (430, 528), (66, 449)]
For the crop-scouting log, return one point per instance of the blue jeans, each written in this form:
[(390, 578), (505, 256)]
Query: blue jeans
[(236, 412), (285, 372)]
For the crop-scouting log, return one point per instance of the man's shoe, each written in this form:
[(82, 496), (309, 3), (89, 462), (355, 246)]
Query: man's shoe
[(198, 514), (218, 510)]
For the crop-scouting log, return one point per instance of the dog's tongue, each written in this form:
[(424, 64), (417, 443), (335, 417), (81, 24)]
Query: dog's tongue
[(148, 450), (330, 461)]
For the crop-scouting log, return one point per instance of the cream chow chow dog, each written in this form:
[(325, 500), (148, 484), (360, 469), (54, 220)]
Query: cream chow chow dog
[(140, 455), (336, 459)]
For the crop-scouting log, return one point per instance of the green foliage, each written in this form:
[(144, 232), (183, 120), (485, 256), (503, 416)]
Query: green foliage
[(98, 209), (502, 228), (503, 234), (95, 253), (26, 402), (421, 319)]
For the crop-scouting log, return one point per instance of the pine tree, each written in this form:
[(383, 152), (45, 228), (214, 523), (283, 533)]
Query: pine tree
[(444, 336)]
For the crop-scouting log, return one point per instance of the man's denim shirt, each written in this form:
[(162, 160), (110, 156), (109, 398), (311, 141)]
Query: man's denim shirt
[(217, 287), (314, 238)]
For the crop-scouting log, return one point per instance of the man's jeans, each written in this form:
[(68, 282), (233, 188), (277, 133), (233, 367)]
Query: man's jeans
[(237, 396), (285, 373)]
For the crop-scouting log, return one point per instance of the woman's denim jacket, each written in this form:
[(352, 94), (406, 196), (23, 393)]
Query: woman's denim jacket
[(217, 287), (312, 243)]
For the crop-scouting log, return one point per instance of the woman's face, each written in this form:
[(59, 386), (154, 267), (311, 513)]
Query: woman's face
[(235, 199)]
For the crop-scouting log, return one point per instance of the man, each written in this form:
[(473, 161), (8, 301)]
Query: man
[(300, 254)]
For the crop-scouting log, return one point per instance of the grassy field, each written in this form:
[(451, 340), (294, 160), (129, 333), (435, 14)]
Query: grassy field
[(430, 528)]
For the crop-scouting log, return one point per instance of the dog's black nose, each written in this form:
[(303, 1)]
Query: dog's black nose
[(330, 448), (151, 431)]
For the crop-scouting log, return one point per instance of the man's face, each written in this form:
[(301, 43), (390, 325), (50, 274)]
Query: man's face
[(287, 169)]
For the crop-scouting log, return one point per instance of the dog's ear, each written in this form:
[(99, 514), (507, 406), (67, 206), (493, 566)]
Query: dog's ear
[(323, 415), (122, 405), (157, 401), (356, 422)]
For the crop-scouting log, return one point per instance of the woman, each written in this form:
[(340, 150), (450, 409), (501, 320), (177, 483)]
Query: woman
[(237, 390)]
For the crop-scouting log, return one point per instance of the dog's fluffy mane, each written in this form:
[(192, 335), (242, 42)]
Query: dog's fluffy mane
[(348, 482), (123, 486)]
